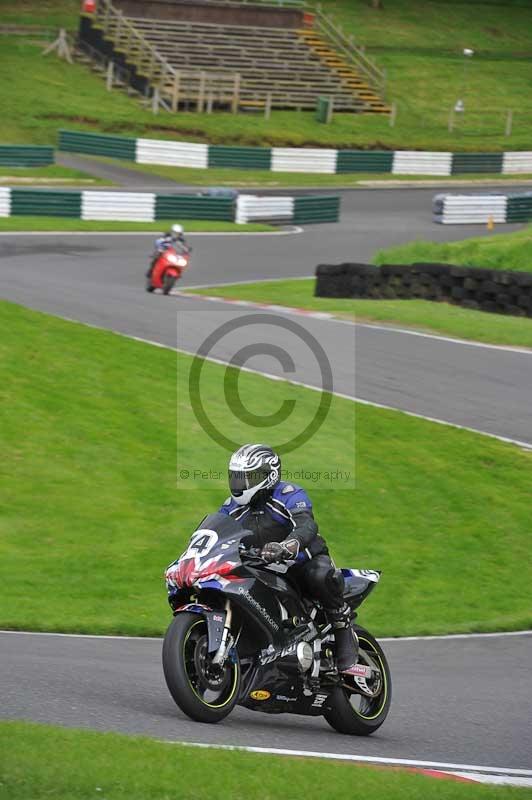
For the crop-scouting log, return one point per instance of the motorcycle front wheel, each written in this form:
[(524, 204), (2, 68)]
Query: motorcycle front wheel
[(203, 690), (168, 283), (358, 714)]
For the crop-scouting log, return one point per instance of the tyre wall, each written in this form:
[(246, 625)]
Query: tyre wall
[(502, 292)]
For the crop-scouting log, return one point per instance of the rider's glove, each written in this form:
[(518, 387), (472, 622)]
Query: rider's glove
[(276, 552)]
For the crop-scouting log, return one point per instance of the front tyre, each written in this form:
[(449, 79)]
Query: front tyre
[(168, 282), (204, 691), (356, 713)]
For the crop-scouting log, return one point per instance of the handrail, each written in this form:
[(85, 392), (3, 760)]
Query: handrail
[(140, 52), (136, 44), (349, 49)]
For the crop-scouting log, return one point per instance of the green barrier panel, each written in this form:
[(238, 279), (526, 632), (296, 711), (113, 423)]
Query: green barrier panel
[(476, 162), (45, 203), (98, 144), (316, 209), (364, 161), (12, 155), (519, 208), (194, 207), (240, 157)]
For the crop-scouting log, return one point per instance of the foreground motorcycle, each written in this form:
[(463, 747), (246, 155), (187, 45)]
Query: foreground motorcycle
[(167, 270), (243, 635)]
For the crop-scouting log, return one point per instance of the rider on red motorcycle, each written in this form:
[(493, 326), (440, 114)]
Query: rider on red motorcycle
[(173, 238)]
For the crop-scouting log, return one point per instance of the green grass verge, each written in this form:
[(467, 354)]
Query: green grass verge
[(92, 515), (443, 318), (43, 761), (224, 176), (48, 14), (53, 174), (408, 39), (505, 251), (66, 224)]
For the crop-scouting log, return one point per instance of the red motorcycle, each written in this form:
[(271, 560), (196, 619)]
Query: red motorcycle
[(167, 270)]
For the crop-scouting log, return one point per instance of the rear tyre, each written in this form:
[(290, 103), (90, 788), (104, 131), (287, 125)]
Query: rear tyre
[(168, 283), (354, 713), (204, 692)]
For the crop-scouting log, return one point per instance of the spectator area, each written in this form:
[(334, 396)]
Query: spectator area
[(294, 65)]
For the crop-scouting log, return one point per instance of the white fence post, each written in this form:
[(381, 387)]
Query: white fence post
[(155, 101), (268, 106), (175, 92), (110, 75)]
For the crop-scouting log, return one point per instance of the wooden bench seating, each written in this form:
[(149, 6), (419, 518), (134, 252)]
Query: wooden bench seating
[(271, 61)]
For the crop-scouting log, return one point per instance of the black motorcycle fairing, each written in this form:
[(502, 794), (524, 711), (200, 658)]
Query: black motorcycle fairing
[(268, 616), (265, 629), (274, 690), (213, 568)]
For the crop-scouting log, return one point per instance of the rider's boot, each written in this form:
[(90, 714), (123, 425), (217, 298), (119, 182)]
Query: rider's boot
[(345, 637)]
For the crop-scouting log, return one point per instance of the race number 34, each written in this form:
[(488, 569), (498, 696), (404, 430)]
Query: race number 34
[(201, 542)]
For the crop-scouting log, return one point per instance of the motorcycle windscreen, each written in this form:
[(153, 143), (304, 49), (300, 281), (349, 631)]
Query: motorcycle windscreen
[(224, 525)]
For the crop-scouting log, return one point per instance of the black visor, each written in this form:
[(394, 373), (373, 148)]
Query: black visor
[(239, 480)]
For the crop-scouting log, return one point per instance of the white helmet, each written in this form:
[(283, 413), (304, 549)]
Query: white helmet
[(177, 229), (253, 468)]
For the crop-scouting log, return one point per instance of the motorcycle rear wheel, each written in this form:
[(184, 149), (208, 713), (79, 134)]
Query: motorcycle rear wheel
[(204, 692), (355, 714)]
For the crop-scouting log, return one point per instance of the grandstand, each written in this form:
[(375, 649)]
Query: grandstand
[(209, 53)]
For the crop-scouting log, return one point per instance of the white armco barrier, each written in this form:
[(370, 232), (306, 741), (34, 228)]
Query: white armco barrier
[(413, 162), (293, 159), (5, 202), (469, 209), (250, 208), (517, 162), (135, 206), (176, 154)]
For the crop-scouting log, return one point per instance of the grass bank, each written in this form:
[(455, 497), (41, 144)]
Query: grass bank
[(66, 224), (92, 514), (408, 39), (41, 176), (114, 767), (505, 251), (418, 314)]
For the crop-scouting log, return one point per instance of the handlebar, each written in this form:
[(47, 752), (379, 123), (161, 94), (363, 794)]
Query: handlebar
[(250, 553)]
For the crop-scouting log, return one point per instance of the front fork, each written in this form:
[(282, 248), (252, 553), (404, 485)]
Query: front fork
[(227, 641)]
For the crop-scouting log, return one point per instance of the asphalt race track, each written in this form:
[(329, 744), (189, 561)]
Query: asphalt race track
[(98, 279), (462, 700), (467, 701)]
